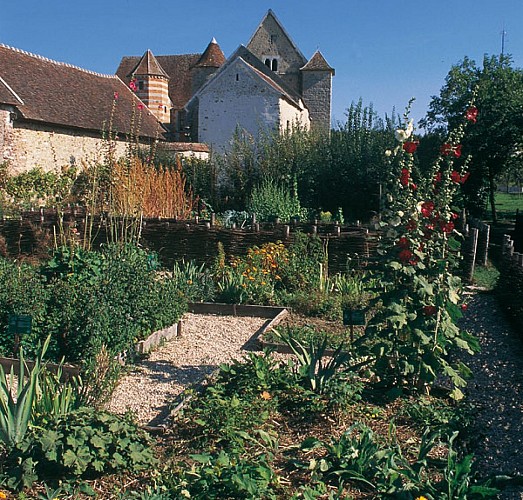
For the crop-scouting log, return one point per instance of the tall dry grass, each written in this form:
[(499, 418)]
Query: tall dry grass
[(143, 190)]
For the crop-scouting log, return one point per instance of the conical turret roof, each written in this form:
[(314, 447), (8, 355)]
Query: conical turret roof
[(212, 57), (148, 65), (317, 63)]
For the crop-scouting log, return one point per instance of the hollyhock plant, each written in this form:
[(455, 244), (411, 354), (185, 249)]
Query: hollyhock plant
[(404, 178), (410, 146), (472, 114), (417, 293)]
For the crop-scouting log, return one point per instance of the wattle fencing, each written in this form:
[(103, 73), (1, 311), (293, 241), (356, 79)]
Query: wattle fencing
[(192, 240), (510, 284)]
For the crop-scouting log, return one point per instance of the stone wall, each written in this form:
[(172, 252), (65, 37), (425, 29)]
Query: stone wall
[(235, 99), (290, 116), (29, 145), (317, 91), (239, 98), (271, 42)]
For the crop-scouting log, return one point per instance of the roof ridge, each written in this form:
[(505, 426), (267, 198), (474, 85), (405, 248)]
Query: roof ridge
[(58, 63)]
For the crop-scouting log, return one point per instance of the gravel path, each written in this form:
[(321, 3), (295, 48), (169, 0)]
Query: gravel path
[(205, 342), (496, 391)]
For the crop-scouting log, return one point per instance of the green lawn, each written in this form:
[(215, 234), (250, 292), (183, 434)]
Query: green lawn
[(507, 204)]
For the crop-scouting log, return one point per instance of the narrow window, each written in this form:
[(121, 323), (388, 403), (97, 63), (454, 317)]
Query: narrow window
[(140, 85), (275, 64), (268, 62), (237, 77)]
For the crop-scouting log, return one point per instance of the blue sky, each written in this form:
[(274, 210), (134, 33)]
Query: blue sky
[(384, 51)]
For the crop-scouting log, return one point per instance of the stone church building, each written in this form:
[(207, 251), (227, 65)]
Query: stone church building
[(53, 114), (265, 85)]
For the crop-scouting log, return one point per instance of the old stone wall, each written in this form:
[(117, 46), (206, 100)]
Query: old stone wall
[(317, 91), (271, 42), (4, 133), (26, 146)]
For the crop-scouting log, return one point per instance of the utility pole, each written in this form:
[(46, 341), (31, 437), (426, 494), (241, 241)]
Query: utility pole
[(503, 33)]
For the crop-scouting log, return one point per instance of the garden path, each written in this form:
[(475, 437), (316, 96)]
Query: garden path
[(205, 342), (496, 392)]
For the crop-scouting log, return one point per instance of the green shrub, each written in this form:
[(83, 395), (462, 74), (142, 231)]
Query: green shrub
[(227, 476), (22, 291), (112, 298), (270, 199), (85, 443)]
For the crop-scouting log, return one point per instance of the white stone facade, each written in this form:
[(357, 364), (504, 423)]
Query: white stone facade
[(237, 96)]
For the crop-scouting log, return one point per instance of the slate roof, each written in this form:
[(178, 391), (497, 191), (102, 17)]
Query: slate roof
[(177, 67), (60, 94), (212, 57), (317, 63), (148, 65)]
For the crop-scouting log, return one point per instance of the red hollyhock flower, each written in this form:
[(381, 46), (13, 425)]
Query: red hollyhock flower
[(464, 307), (437, 177), (459, 179), (132, 85), (404, 178), (455, 177), (410, 146), (448, 227), (427, 208), (411, 225), (140, 106), (448, 149), (430, 310), (115, 96), (454, 215), (403, 242), (405, 255), (472, 114)]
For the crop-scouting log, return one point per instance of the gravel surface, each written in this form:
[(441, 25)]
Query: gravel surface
[(496, 391), (205, 342)]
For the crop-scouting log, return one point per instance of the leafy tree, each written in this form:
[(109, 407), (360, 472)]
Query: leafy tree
[(497, 90)]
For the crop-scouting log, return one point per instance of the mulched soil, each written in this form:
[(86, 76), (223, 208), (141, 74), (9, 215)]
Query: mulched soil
[(496, 392)]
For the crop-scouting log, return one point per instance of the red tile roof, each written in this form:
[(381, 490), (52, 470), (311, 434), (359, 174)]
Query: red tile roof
[(60, 94), (213, 57), (178, 67), (180, 147), (148, 65)]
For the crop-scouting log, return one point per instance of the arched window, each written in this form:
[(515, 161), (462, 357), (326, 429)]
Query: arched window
[(268, 62), (275, 65)]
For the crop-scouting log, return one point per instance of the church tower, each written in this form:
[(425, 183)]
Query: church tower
[(273, 46), (209, 62), (151, 84), (317, 91)]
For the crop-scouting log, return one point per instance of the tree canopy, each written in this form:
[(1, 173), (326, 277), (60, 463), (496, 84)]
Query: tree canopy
[(494, 145)]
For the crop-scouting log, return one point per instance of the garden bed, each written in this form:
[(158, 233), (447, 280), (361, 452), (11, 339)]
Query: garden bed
[(306, 329)]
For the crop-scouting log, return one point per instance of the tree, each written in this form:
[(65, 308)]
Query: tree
[(497, 91)]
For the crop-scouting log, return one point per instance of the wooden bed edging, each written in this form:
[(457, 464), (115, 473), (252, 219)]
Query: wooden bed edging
[(68, 371), (235, 309), (157, 337)]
